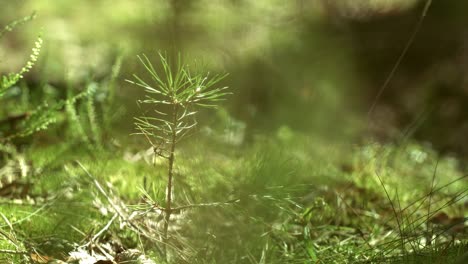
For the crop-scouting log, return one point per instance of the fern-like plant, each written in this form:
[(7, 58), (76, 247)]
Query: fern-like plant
[(40, 117), (174, 94), (7, 81)]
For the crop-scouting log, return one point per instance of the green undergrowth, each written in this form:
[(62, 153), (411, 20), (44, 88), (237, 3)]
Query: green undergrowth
[(282, 198), (73, 183)]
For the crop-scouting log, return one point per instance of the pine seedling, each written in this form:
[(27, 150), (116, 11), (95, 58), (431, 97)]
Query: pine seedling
[(174, 94)]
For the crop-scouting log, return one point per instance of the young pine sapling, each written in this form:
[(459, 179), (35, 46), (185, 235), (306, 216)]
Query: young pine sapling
[(174, 95)]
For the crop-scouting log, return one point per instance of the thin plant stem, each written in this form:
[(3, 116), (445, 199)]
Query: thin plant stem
[(170, 174)]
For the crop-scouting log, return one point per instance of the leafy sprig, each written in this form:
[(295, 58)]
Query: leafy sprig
[(11, 79), (183, 91)]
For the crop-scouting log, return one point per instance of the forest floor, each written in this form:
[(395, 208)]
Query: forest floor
[(282, 198)]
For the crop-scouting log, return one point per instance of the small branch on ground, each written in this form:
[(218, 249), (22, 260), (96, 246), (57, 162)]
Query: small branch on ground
[(13, 252)]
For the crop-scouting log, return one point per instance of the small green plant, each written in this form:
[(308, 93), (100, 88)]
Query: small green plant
[(7, 81), (173, 95), (11, 79), (33, 118)]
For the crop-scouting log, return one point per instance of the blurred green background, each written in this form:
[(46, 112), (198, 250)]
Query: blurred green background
[(309, 65)]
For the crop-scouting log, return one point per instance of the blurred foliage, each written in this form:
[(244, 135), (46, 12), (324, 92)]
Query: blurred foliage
[(311, 65), (290, 163), (256, 41)]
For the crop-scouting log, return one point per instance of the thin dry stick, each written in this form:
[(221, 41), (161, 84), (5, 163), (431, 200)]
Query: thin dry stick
[(104, 229), (121, 214), (106, 254), (175, 209), (13, 252), (134, 227)]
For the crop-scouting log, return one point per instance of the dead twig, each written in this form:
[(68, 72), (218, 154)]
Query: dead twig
[(176, 209), (119, 212), (104, 229), (13, 252)]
